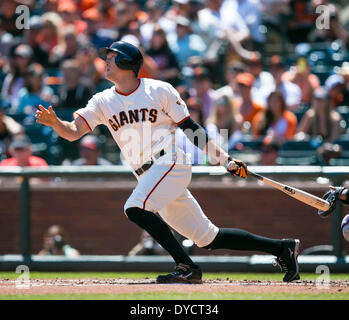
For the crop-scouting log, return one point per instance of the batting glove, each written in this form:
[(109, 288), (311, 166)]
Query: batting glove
[(236, 167)]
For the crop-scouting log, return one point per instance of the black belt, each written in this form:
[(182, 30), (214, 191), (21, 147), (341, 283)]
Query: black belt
[(148, 164)]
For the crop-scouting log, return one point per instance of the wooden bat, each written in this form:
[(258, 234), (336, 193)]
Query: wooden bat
[(300, 195)]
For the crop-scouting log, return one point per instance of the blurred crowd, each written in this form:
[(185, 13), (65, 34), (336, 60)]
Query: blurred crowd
[(261, 76)]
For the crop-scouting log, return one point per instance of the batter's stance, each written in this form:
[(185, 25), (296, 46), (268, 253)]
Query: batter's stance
[(142, 115)]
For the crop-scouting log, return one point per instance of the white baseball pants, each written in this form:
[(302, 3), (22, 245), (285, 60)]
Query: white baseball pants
[(163, 189)]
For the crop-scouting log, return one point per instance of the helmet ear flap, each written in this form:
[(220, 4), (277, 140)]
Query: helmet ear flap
[(122, 62)]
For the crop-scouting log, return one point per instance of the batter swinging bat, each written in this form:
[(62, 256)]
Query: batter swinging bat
[(300, 195)]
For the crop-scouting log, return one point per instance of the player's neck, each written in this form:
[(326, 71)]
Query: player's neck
[(127, 85)]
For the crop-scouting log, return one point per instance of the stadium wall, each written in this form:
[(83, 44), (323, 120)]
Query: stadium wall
[(92, 214)]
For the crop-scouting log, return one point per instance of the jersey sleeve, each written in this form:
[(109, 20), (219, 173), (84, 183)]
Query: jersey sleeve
[(91, 114), (174, 106)]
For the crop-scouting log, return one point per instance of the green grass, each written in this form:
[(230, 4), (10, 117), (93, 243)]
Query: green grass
[(176, 295), (153, 275)]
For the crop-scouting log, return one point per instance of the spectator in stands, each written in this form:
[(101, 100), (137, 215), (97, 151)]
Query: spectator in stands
[(300, 20), (301, 75), (6, 41), (226, 123), (291, 92), (90, 150), (90, 65), (320, 120), (50, 5), (335, 30), (269, 153), (124, 17), (147, 246), (188, 9), (21, 151), (94, 34), (108, 13), (19, 60), (50, 32), (68, 12), (9, 128), (195, 109), (184, 43), (55, 243), (263, 84), (334, 85), (32, 38), (185, 95), (247, 107), (8, 15), (274, 12), (223, 31), (198, 157), (73, 94), (156, 19), (276, 123), (344, 72), (250, 12), (217, 16), (67, 48), (231, 89), (35, 92), (163, 56), (203, 91)]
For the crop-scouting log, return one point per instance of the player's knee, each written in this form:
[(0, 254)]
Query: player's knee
[(215, 243), (133, 213), (209, 246)]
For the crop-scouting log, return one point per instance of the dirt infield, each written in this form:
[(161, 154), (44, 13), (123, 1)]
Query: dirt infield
[(126, 286)]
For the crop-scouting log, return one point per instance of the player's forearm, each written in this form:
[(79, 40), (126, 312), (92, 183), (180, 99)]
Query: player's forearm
[(198, 136), (216, 152), (66, 130)]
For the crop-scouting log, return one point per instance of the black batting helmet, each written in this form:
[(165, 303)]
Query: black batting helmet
[(129, 57)]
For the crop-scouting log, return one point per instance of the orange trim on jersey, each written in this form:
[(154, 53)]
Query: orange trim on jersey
[(82, 119), (180, 122), (127, 94), (152, 190)]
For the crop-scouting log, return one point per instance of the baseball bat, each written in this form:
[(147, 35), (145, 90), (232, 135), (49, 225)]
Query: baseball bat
[(300, 195)]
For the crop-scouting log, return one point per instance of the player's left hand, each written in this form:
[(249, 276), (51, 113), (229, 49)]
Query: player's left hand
[(236, 168)]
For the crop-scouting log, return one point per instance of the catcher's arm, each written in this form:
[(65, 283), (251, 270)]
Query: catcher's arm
[(334, 195), (344, 195), (68, 130)]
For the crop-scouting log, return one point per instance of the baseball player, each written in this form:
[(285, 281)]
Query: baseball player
[(142, 116)]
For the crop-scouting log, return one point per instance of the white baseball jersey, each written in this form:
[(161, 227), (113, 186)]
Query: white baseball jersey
[(142, 122)]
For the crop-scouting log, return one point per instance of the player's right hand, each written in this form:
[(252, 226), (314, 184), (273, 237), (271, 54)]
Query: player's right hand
[(236, 168), (46, 117)]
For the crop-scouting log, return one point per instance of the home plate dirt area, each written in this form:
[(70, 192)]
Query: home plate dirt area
[(124, 286)]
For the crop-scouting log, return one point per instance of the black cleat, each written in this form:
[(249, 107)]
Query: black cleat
[(287, 260), (182, 274)]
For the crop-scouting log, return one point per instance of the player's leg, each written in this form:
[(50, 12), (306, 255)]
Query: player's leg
[(161, 233), (161, 185), (286, 250), (186, 217)]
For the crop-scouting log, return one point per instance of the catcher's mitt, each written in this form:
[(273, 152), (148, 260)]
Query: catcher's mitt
[(332, 196)]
